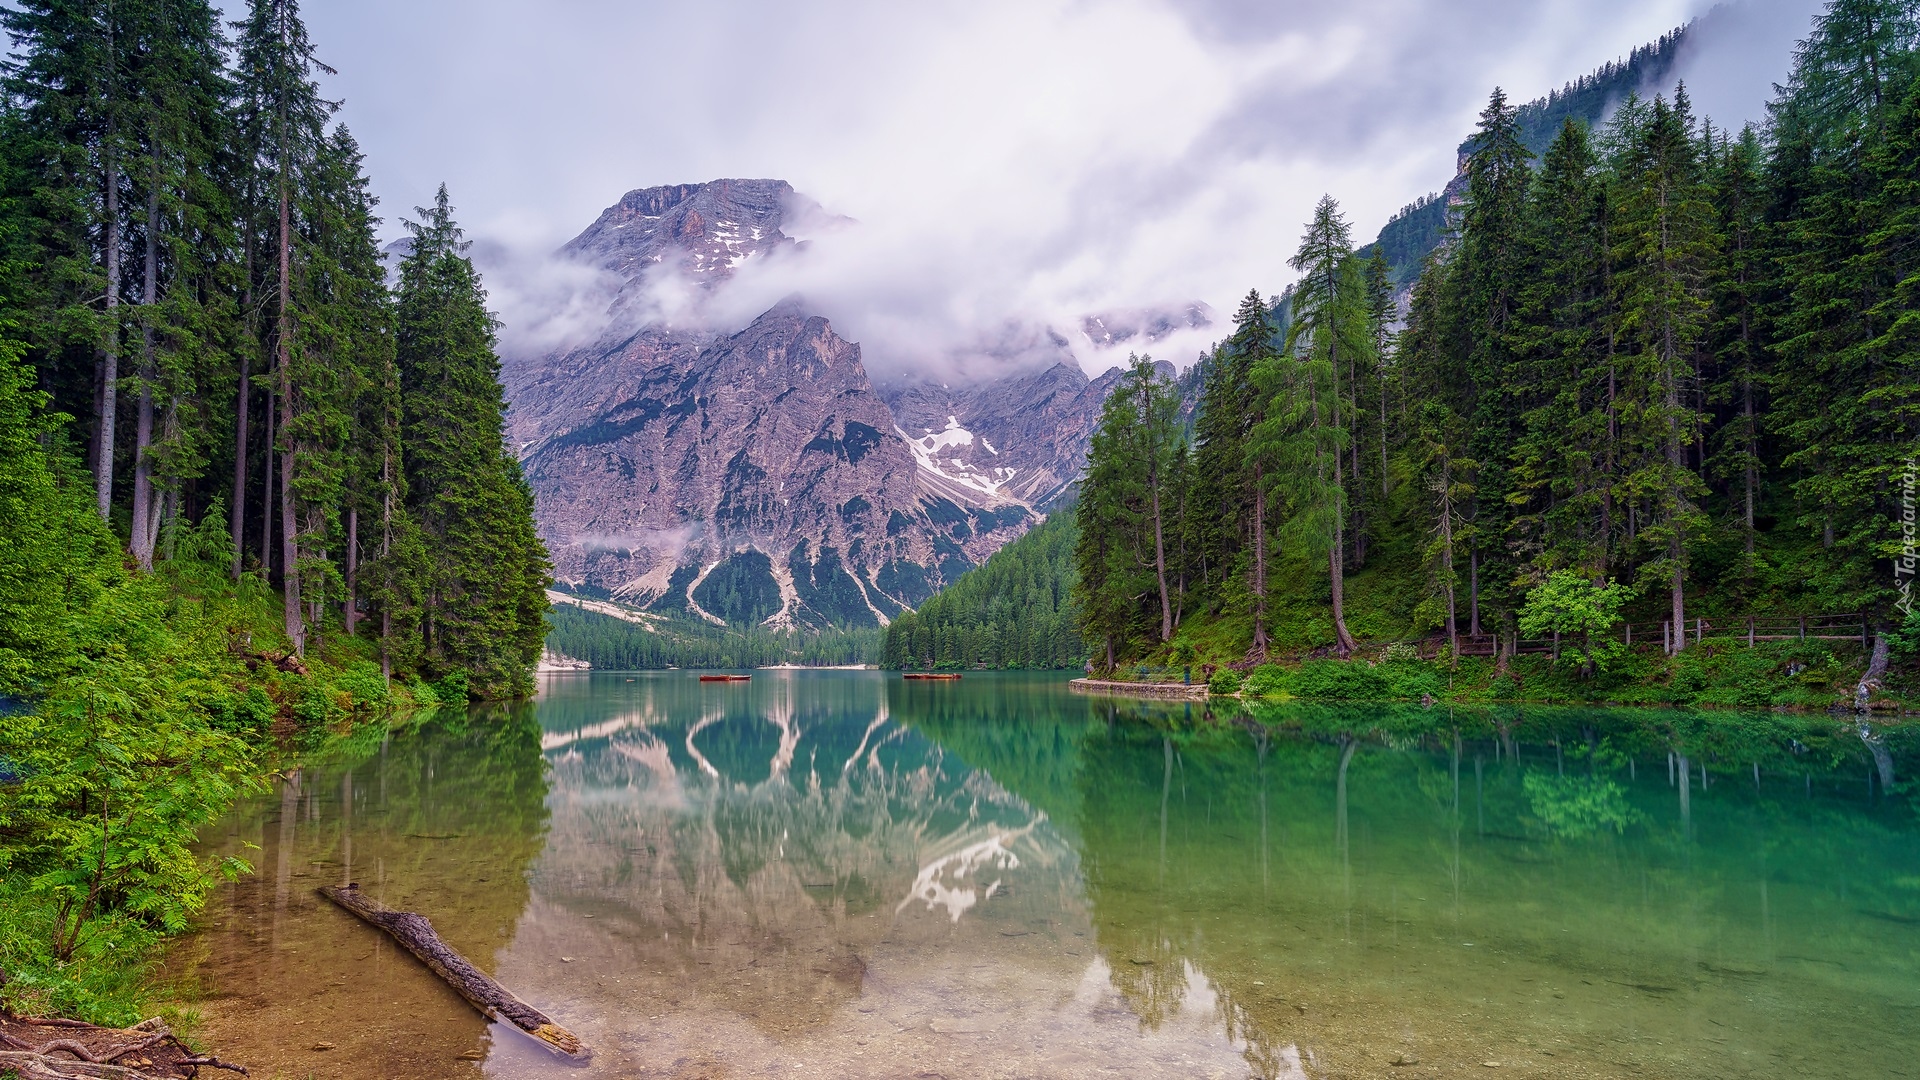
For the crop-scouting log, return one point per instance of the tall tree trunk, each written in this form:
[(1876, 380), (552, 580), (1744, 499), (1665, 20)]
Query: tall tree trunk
[(1752, 472), (270, 456), (1446, 553), (110, 362), (289, 524), (145, 512), (1606, 492), (1473, 591), (1337, 555), (351, 616), (244, 399), (386, 546), (1259, 564), (240, 466), (1160, 568), (1384, 493), (1344, 640), (1676, 547)]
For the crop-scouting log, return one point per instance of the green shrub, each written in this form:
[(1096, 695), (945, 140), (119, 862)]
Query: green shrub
[(1267, 680), (451, 689), (1225, 683), (1339, 680)]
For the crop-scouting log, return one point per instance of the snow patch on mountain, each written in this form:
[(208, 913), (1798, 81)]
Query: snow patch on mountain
[(930, 449)]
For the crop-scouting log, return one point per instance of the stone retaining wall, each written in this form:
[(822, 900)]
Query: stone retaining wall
[(1177, 691)]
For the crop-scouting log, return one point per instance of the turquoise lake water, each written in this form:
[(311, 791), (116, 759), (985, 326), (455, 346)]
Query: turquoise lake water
[(844, 874)]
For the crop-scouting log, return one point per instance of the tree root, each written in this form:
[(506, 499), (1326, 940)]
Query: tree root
[(98, 1053)]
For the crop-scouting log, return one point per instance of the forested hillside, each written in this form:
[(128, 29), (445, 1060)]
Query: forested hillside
[(1412, 234), (1014, 612), (613, 644), (252, 493), (1662, 355)]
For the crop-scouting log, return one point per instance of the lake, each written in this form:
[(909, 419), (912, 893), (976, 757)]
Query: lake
[(842, 874)]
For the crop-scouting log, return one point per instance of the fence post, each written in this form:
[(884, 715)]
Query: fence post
[(1699, 629), (1666, 636), (1749, 631), (1629, 635), (1803, 628)]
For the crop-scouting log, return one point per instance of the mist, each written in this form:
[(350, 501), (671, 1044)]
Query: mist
[(1008, 168)]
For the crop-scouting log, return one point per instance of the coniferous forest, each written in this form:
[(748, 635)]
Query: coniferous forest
[(1664, 371), (1014, 612), (252, 474), (194, 282)]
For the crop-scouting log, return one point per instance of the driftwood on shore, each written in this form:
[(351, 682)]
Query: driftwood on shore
[(416, 934), (52, 1048)]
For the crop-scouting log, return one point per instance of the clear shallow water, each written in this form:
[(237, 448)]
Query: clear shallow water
[(842, 874)]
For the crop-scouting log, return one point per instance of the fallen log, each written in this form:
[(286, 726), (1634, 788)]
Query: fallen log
[(416, 934)]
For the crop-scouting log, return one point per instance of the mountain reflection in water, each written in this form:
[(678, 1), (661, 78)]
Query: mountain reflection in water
[(838, 874)]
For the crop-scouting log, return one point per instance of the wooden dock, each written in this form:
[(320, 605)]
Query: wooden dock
[(1173, 691)]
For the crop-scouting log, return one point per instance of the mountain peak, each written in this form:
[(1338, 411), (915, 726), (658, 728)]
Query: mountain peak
[(705, 230)]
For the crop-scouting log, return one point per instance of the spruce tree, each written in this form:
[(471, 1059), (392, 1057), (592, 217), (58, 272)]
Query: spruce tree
[(187, 314), (1664, 245), (282, 119), (1561, 483), (485, 591), (1307, 428), (1488, 277)]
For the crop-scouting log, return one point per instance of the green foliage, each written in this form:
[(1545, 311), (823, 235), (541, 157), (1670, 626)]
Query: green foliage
[(1225, 683), (1576, 807), (1569, 605), (1017, 611)]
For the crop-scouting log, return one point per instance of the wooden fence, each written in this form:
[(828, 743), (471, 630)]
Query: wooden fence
[(1754, 628)]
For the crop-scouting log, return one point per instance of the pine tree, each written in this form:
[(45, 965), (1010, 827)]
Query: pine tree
[(1308, 423), (283, 120), (1229, 474), (1664, 245), (1740, 281), (485, 596), (187, 316), (1487, 281), (1560, 473)]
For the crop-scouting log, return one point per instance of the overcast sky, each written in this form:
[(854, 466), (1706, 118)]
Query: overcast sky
[(1026, 161)]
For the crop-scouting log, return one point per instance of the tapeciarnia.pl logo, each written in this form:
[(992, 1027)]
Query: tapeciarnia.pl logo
[(1903, 567)]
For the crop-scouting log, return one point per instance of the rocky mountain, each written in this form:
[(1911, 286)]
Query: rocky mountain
[(759, 475), (754, 476)]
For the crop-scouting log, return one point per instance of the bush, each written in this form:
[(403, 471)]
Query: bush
[(451, 689), (1225, 683), (1267, 680), (1339, 680)]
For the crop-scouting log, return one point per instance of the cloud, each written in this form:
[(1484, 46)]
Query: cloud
[(666, 543), (1013, 165)]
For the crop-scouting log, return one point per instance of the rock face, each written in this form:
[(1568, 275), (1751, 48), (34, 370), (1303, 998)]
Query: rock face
[(757, 476), (755, 479), (1018, 439)]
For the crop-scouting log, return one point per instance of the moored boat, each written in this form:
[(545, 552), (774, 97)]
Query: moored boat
[(726, 678), (933, 676)]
